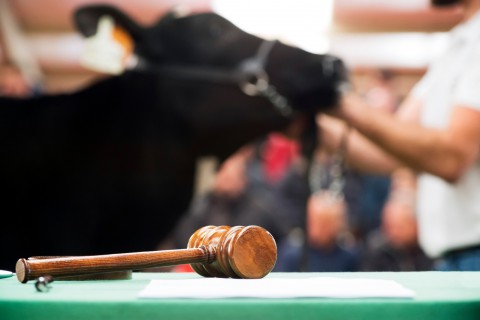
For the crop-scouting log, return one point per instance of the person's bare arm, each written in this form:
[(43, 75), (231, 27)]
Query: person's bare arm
[(362, 154), (445, 153)]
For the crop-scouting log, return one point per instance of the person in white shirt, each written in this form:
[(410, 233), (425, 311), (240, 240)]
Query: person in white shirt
[(436, 133)]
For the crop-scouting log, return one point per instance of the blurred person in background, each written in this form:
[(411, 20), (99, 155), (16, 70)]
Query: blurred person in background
[(12, 82), (435, 132), (20, 74), (262, 184), (321, 249), (394, 246), (380, 92), (366, 193)]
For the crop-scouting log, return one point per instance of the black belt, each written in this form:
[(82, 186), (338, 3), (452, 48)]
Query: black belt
[(458, 251)]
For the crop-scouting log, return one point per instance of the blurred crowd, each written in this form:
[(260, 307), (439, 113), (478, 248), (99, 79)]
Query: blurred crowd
[(368, 225)]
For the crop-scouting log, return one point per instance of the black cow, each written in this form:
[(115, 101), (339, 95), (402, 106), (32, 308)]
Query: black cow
[(110, 168)]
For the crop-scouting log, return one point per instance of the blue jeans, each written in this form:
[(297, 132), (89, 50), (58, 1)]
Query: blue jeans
[(467, 260)]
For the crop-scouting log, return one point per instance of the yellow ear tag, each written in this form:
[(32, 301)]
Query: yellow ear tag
[(109, 49)]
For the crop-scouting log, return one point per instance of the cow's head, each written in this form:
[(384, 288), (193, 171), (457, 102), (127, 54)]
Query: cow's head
[(204, 52)]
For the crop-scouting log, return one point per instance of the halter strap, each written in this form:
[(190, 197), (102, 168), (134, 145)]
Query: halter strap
[(250, 76)]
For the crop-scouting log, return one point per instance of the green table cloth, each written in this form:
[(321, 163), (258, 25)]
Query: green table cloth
[(439, 295)]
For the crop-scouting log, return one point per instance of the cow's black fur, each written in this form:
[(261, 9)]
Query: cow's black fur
[(110, 168)]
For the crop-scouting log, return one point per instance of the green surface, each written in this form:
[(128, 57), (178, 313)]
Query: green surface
[(452, 295)]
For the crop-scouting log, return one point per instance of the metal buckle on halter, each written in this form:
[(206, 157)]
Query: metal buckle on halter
[(255, 83), (256, 78)]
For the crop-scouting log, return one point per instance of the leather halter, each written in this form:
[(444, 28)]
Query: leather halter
[(250, 76)]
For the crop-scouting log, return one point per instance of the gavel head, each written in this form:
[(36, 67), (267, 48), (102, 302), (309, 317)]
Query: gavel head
[(240, 252)]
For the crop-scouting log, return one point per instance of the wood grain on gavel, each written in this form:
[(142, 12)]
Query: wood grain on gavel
[(237, 252)]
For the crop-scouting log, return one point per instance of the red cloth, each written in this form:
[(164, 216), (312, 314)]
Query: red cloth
[(182, 268), (278, 155)]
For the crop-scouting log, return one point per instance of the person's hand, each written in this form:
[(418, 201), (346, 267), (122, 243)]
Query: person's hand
[(331, 131), (231, 179), (12, 83), (349, 105), (334, 125)]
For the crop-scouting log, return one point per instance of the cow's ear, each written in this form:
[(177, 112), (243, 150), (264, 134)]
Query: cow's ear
[(87, 19), (111, 37)]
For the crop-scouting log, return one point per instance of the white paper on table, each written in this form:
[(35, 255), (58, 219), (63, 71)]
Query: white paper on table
[(326, 287)]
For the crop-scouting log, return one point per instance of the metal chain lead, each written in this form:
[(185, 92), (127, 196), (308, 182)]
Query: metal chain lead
[(279, 101), (334, 177), (338, 177), (328, 178)]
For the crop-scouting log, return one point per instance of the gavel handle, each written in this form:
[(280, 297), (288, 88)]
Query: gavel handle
[(28, 269)]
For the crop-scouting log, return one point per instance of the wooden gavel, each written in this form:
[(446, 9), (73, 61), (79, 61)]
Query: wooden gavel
[(238, 252)]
